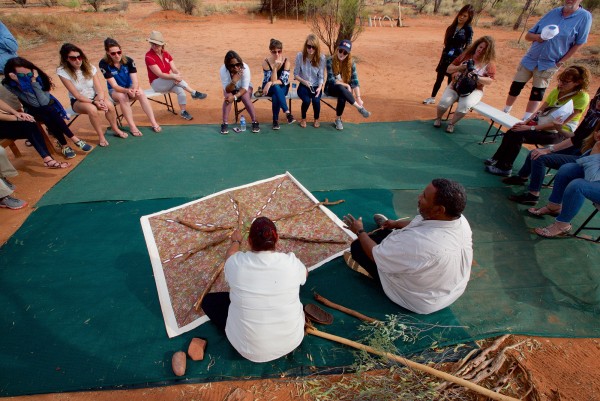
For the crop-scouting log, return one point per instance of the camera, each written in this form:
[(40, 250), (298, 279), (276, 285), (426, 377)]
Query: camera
[(470, 65)]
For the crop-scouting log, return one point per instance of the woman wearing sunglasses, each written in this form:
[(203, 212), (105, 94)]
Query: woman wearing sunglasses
[(123, 84), (309, 71), (32, 86), (235, 78), (342, 82), (276, 75), (85, 91)]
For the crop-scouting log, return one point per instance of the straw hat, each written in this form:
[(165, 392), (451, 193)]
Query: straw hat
[(156, 38)]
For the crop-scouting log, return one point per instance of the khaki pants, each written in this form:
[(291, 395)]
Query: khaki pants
[(6, 170), (8, 97)]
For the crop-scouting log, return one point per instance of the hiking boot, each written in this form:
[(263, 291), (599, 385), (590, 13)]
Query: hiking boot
[(290, 118), (490, 162), (199, 95), (514, 180), (186, 115), (9, 184), (224, 129), (255, 127), (338, 124), (526, 198), (12, 203), (429, 100), (67, 152), (364, 112), (498, 171), (84, 146), (379, 219), (276, 125)]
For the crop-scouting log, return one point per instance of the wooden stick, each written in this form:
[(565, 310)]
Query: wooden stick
[(316, 240), (348, 311), (210, 283), (407, 362)]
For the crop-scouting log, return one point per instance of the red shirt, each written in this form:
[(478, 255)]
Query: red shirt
[(163, 63)]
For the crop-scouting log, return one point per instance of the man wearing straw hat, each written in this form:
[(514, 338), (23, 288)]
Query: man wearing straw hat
[(423, 265), (164, 75)]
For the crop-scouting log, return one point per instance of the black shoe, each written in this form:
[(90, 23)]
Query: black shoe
[(489, 162), (526, 198), (290, 118), (255, 127), (276, 125), (514, 180)]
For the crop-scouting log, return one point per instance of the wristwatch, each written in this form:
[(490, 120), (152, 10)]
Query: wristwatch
[(532, 128), (551, 148)]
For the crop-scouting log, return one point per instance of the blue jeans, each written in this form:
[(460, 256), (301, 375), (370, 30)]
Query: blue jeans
[(305, 94), (571, 190), (278, 94), (536, 169)]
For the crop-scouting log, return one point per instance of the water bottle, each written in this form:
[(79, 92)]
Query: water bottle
[(242, 123)]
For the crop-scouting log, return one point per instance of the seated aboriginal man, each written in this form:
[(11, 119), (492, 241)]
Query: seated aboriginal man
[(422, 265)]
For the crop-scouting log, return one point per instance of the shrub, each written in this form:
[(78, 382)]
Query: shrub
[(49, 3), (21, 2), (166, 4), (187, 6), (95, 4)]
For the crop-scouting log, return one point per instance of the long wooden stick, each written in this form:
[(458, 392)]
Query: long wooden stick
[(348, 311), (209, 285), (415, 365)]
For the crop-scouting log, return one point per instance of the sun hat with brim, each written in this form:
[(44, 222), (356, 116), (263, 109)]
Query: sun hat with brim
[(156, 38), (346, 45), (549, 31)]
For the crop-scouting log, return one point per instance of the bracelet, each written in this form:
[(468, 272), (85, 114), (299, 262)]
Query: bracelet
[(234, 98), (360, 231), (238, 241)]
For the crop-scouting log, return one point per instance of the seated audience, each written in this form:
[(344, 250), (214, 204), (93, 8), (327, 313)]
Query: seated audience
[(422, 265), (554, 156), (261, 315), (32, 86), (235, 78), (574, 183), (164, 76), (6, 187), (342, 82), (121, 77), (276, 75), (18, 125), (541, 128), (85, 90), (309, 70), (475, 64)]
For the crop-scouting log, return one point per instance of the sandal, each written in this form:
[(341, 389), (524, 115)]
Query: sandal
[(136, 133), (543, 211), (437, 123), (450, 128), (156, 128), (122, 135), (316, 124), (553, 231), (103, 143), (56, 164), (303, 123)]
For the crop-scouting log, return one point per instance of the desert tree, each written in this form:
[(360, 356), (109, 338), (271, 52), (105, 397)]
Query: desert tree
[(95, 4), (187, 6)]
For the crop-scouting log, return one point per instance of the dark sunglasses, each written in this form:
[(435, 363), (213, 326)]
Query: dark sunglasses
[(276, 51), (116, 53), (311, 47), (235, 65), (342, 51), (23, 75), (73, 58)]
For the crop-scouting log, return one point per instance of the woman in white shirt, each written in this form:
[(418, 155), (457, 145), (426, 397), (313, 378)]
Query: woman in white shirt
[(85, 90), (261, 315)]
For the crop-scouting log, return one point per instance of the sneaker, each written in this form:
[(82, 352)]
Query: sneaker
[(83, 145), (290, 118), (338, 124), (497, 171), (429, 100), (379, 219), (9, 184), (199, 95), (12, 203), (490, 162), (68, 152), (276, 125), (514, 180), (364, 112), (224, 129), (186, 115), (526, 198), (255, 127)]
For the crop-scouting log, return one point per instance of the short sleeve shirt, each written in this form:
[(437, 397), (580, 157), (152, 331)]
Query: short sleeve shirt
[(580, 102), (83, 85), (164, 63), (243, 83), (121, 74)]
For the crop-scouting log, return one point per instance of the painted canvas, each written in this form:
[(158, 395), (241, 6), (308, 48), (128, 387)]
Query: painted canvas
[(187, 243)]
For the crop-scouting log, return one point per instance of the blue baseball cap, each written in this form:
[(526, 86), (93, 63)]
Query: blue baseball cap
[(346, 45)]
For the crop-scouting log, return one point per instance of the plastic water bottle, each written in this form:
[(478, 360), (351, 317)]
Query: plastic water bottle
[(242, 123)]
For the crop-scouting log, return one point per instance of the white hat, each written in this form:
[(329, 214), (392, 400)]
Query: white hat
[(156, 38), (549, 32)]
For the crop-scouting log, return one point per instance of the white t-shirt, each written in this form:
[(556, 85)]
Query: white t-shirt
[(265, 319), (425, 266), (242, 83), (83, 85)]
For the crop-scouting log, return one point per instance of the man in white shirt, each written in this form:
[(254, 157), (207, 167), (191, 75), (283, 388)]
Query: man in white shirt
[(422, 265)]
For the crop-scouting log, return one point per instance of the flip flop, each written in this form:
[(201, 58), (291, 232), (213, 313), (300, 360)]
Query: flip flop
[(136, 133), (156, 128), (103, 144), (54, 164), (315, 314), (122, 136), (553, 232)]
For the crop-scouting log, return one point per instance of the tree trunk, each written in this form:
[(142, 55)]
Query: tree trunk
[(523, 12), (436, 6)]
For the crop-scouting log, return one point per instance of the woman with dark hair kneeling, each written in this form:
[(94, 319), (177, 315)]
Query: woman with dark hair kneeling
[(261, 315)]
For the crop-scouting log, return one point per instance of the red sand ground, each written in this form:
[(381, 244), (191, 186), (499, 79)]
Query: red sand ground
[(396, 71)]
